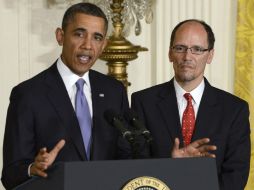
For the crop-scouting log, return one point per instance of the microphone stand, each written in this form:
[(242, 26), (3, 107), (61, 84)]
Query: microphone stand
[(139, 145)]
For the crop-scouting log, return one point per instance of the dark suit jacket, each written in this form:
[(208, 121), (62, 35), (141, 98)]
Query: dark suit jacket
[(221, 117), (40, 114)]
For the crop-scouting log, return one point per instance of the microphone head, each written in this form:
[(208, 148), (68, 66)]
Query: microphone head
[(116, 121), (130, 115), (110, 115)]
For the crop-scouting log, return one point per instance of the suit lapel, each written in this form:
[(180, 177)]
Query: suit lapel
[(208, 112), (97, 94), (169, 111), (98, 105), (58, 96)]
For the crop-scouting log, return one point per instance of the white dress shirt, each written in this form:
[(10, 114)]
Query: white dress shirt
[(196, 97)]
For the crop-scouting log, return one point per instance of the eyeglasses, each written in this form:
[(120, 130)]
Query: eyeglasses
[(194, 49)]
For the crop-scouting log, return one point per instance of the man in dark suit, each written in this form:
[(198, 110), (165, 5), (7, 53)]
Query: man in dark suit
[(216, 114), (42, 126)]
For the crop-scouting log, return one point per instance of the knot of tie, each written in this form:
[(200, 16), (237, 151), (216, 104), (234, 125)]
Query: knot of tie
[(80, 83), (188, 97)]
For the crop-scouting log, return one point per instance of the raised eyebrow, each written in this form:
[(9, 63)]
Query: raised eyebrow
[(79, 30)]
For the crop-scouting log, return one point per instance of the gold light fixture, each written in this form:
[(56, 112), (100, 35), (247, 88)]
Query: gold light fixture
[(119, 50)]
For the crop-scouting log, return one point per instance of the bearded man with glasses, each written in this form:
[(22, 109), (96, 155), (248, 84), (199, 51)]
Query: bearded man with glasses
[(187, 110)]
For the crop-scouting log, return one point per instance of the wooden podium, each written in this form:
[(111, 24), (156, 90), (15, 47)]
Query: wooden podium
[(176, 174)]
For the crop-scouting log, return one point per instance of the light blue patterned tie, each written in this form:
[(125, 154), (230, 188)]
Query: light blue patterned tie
[(84, 116)]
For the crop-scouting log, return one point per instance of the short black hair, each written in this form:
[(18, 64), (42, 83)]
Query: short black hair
[(84, 8), (208, 29)]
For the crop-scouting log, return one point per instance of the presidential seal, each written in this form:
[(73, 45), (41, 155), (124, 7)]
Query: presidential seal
[(145, 183)]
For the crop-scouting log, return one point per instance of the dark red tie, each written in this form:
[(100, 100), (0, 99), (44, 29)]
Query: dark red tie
[(188, 121)]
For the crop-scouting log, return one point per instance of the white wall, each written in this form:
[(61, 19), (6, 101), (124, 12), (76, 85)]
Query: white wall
[(28, 43)]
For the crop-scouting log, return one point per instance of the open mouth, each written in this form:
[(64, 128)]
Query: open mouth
[(84, 58)]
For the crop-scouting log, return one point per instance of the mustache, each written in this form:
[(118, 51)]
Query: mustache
[(85, 53), (185, 63)]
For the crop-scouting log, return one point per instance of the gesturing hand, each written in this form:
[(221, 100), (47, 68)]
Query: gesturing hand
[(45, 159), (198, 148)]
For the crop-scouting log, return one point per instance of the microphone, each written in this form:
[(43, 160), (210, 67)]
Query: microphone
[(133, 119), (116, 120)]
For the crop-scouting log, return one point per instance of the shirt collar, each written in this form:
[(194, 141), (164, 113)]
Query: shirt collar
[(195, 93), (69, 77)]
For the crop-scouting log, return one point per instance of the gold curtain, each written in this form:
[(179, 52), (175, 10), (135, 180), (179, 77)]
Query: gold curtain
[(244, 67)]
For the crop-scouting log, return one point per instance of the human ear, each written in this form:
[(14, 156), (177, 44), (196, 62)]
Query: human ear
[(59, 36)]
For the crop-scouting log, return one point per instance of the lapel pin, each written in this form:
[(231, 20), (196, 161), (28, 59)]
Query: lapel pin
[(101, 95)]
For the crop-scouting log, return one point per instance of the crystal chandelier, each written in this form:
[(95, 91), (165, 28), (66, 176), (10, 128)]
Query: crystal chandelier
[(133, 11)]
